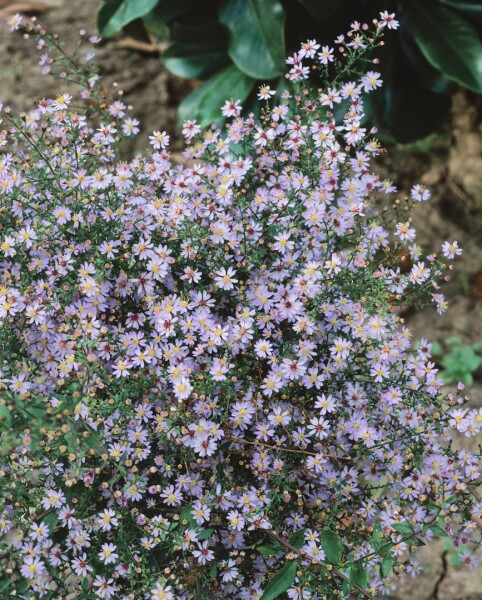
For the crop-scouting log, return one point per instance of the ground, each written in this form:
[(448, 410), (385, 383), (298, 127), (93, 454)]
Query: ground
[(451, 164)]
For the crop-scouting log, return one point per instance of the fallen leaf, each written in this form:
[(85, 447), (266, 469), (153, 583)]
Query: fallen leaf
[(25, 7), (133, 44), (476, 285)]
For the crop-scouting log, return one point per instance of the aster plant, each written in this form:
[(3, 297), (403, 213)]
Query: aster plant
[(208, 391)]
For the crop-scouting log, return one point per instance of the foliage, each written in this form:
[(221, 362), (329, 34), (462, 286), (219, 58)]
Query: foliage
[(460, 361), (437, 46), (207, 389)]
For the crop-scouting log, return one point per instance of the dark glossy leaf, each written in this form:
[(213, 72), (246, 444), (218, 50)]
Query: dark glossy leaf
[(321, 9), (197, 52), (194, 62), (448, 42), (203, 104), (257, 42), (332, 546), (405, 107), (115, 14), (432, 78), (166, 11), (280, 582), (470, 8)]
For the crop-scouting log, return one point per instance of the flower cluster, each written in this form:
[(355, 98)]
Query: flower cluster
[(207, 386)]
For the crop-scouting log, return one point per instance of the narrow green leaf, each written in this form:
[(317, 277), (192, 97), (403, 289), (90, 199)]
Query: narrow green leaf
[(257, 44), (332, 546), (448, 41), (203, 104), (321, 9), (115, 14), (280, 582)]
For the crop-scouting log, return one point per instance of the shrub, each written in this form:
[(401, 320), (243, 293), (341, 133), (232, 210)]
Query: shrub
[(237, 43), (207, 389)]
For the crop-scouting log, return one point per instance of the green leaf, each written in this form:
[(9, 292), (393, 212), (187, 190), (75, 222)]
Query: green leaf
[(332, 546), (268, 550), (298, 538), (402, 527), (5, 418), (321, 9), (447, 41), (439, 531), (197, 52), (186, 515), (205, 533), (386, 566), (115, 14), (203, 104), (257, 45), (358, 575), (280, 582)]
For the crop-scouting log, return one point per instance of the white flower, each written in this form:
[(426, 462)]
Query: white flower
[(225, 279)]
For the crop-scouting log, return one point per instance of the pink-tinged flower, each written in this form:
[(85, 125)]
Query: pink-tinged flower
[(420, 193), (388, 20), (203, 555), (80, 566), (231, 108), (106, 588), (190, 129)]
